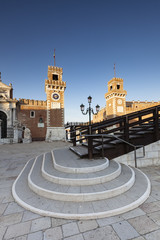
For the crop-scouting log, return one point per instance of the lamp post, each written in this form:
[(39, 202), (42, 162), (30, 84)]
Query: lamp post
[(89, 109)]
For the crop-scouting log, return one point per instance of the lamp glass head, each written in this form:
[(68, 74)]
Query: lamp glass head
[(82, 107), (89, 99), (97, 108)]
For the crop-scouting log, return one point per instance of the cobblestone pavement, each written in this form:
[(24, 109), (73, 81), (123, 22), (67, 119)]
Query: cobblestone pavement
[(17, 223)]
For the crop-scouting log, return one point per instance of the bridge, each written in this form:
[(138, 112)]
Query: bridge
[(117, 136)]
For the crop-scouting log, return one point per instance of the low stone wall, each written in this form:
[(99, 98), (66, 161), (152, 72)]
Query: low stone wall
[(55, 134), (152, 156)]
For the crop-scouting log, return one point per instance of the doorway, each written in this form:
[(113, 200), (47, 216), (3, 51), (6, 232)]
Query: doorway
[(3, 117)]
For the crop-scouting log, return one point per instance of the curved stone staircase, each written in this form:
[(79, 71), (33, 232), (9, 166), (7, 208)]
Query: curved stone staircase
[(60, 184)]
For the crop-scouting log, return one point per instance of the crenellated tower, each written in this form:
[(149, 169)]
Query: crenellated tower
[(115, 98), (54, 88)]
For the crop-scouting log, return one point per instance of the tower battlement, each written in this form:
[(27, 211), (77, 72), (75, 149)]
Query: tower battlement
[(32, 102), (116, 79), (53, 82), (56, 69)]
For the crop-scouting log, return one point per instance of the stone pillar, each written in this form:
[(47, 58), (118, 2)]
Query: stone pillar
[(14, 114), (15, 132), (10, 132), (11, 116)]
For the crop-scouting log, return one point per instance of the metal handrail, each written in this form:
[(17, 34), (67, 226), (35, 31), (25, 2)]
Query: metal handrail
[(130, 144)]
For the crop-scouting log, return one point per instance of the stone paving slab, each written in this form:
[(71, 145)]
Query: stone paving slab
[(155, 216), (101, 233), (143, 224), (40, 224), (87, 225), (35, 236), (70, 229), (124, 230), (134, 213), (10, 219), (19, 154), (109, 220), (53, 234), (153, 235), (18, 229)]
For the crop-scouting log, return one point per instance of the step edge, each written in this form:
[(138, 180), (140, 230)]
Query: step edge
[(80, 197), (79, 170), (82, 182), (85, 216)]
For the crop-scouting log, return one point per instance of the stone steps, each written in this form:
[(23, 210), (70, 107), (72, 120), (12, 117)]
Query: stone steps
[(79, 179), (78, 193), (112, 196)]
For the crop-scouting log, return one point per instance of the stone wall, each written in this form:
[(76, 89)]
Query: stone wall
[(152, 156)]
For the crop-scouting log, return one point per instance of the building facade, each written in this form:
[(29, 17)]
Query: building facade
[(43, 119), (116, 104)]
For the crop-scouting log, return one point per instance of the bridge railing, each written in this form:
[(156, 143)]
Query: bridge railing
[(121, 126)]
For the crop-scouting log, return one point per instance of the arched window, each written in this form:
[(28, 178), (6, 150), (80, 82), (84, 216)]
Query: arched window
[(32, 114)]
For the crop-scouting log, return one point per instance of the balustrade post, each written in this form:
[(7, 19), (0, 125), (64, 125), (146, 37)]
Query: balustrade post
[(120, 125), (66, 135), (99, 131), (80, 136), (140, 120), (73, 135), (126, 132), (90, 143), (156, 124)]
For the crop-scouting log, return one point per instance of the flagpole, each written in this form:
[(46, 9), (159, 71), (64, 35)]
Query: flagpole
[(54, 58), (115, 70)]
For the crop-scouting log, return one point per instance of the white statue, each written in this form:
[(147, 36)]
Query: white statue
[(27, 136)]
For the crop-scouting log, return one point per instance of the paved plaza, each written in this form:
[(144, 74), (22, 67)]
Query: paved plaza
[(17, 223)]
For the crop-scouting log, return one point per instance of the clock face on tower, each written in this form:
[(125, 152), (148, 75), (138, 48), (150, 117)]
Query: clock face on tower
[(119, 101), (55, 96)]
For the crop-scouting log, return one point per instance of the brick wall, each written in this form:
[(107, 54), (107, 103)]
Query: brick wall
[(33, 123), (56, 117)]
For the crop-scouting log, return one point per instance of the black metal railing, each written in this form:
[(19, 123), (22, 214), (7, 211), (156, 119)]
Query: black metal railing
[(102, 136), (147, 120)]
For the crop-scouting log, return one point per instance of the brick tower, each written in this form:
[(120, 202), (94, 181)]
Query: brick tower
[(115, 98), (54, 88)]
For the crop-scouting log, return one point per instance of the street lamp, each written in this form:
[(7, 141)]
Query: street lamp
[(89, 109)]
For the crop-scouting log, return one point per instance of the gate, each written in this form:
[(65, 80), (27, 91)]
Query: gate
[(3, 117)]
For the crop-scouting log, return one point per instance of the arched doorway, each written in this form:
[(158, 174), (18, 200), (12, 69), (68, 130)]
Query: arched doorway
[(3, 117)]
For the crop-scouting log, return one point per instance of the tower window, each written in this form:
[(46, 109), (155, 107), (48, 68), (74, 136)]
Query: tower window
[(110, 87), (32, 114), (55, 77), (118, 86)]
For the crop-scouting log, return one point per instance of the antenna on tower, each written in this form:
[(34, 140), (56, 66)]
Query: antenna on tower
[(114, 70), (54, 55)]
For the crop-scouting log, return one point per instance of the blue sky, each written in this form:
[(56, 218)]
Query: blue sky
[(89, 37)]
